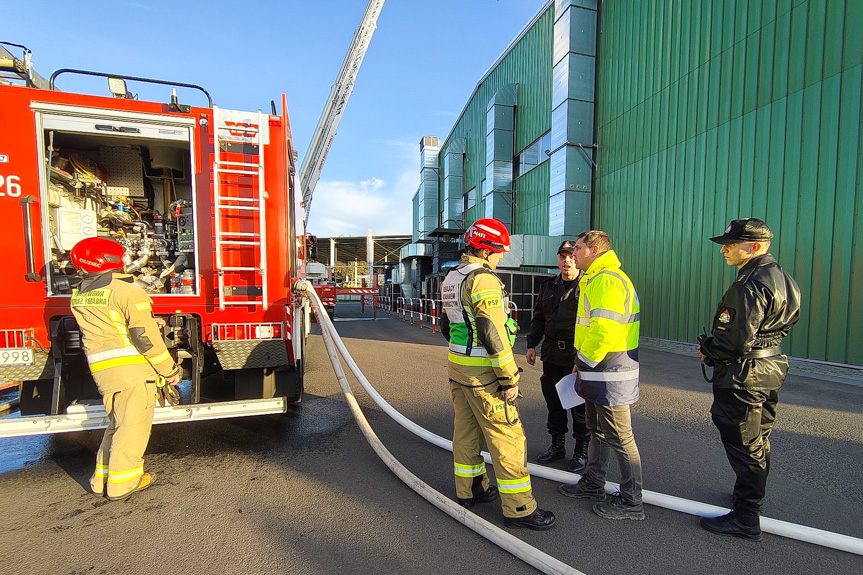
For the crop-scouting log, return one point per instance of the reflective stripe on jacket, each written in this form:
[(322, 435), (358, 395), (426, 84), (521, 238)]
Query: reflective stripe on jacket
[(475, 310), (606, 334), (121, 340)]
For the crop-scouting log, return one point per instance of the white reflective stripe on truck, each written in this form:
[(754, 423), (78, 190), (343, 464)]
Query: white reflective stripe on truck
[(84, 417)]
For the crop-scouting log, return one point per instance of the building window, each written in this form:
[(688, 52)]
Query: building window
[(533, 155), (470, 199)]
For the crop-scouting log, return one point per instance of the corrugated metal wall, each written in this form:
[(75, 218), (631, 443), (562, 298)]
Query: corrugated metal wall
[(712, 110), (531, 201), (528, 64)]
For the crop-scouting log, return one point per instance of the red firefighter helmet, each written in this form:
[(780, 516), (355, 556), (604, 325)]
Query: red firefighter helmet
[(97, 255), (488, 233)]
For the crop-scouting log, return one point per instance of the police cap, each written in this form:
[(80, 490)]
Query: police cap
[(744, 230), (567, 246)]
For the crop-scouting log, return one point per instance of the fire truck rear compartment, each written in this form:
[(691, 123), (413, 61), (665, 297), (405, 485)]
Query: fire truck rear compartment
[(135, 191)]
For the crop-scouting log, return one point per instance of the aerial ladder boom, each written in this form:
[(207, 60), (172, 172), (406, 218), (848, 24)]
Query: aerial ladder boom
[(319, 146)]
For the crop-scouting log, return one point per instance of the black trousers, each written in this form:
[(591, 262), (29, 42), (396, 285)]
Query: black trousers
[(744, 418), (557, 418)]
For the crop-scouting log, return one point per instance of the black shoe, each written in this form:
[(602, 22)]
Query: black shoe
[(539, 520), (583, 490), (489, 494), (578, 463), (616, 508), (729, 525), (557, 450)]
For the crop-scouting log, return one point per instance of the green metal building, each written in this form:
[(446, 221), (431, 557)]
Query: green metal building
[(659, 121)]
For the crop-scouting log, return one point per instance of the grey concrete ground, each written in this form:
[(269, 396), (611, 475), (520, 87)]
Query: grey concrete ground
[(304, 493)]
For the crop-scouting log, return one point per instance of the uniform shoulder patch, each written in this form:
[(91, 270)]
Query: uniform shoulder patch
[(492, 302), (726, 315)]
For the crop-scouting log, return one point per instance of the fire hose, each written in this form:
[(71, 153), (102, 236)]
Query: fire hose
[(775, 526), (530, 555)]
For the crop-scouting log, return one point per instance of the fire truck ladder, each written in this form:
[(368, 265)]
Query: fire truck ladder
[(228, 202)]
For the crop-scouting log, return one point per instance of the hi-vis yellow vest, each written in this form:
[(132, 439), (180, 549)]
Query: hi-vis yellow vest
[(606, 334), (469, 292)]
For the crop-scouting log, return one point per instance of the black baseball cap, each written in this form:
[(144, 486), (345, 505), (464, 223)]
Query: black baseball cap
[(744, 230), (567, 246)]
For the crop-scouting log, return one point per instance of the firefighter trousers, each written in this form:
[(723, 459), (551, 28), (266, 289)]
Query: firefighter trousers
[(481, 416), (120, 459)]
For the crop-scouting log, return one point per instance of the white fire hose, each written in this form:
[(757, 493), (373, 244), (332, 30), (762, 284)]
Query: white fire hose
[(530, 555), (768, 525)]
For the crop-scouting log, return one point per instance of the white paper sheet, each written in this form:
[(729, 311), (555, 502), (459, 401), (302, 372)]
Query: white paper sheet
[(566, 391)]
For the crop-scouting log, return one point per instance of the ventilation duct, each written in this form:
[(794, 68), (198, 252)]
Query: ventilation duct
[(499, 149), (573, 151)]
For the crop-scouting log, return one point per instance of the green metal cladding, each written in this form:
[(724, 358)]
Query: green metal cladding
[(528, 64), (711, 110)]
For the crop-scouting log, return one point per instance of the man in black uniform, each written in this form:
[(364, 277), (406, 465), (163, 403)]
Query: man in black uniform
[(553, 323), (756, 312)]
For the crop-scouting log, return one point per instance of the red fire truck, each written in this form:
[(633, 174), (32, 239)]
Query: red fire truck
[(201, 198)]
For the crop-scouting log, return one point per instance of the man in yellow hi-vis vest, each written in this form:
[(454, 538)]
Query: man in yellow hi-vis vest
[(484, 381), (606, 337), (127, 356)]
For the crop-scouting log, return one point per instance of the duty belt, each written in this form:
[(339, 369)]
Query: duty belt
[(762, 353)]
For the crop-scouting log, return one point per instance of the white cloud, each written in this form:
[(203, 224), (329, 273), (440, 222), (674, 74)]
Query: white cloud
[(383, 203)]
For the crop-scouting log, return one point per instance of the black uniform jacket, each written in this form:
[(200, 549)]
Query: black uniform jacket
[(753, 317), (553, 320)]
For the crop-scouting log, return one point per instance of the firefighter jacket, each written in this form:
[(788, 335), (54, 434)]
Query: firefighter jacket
[(123, 344), (553, 320), (753, 317), (606, 334), (475, 313)]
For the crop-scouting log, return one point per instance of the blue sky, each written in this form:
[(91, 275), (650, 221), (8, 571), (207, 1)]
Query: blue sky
[(424, 61)]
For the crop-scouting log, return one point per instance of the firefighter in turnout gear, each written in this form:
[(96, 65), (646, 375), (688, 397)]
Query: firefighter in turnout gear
[(484, 381), (127, 357)]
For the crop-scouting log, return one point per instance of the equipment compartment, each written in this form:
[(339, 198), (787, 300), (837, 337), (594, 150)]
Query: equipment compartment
[(128, 181)]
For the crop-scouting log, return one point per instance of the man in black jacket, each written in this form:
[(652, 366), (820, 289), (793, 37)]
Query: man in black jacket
[(753, 317), (553, 323)]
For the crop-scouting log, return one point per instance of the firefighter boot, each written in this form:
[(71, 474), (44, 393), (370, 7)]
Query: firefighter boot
[(579, 456), (146, 481), (480, 495), (556, 450), (539, 520)]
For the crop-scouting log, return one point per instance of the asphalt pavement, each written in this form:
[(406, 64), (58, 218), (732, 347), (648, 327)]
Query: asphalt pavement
[(304, 493)]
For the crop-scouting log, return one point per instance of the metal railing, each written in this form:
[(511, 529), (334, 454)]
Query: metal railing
[(415, 310), (422, 310)]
